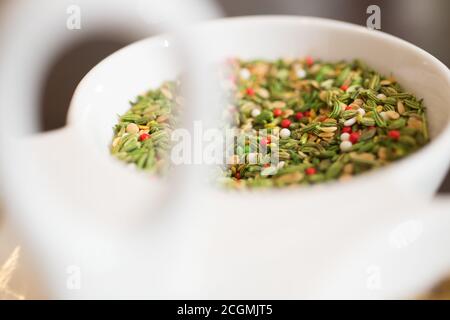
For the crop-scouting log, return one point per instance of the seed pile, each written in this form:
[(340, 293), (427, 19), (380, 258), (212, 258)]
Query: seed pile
[(142, 136), (333, 120), (324, 120)]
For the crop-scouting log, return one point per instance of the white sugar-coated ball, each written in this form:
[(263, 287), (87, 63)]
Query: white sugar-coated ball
[(301, 73), (252, 158), (345, 136), (361, 111), (381, 96), (256, 112), (285, 133), (245, 73), (269, 171), (346, 146), (350, 122)]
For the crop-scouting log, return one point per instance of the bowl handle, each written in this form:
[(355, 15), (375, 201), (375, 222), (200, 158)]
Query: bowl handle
[(33, 32), (75, 177)]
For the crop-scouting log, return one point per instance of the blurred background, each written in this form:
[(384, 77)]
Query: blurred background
[(423, 23)]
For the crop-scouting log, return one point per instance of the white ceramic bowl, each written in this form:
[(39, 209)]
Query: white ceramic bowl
[(401, 259), (217, 250), (106, 90)]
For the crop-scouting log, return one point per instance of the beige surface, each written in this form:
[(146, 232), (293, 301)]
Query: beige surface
[(17, 277)]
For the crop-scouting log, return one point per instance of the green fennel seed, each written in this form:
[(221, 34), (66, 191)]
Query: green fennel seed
[(325, 120)]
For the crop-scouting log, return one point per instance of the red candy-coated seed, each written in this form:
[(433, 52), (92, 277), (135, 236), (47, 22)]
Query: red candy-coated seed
[(348, 108), (265, 141), (250, 91), (309, 61), (310, 171), (144, 136), (285, 123), (347, 130), (344, 87), (354, 137), (277, 112), (237, 175), (394, 134), (299, 115)]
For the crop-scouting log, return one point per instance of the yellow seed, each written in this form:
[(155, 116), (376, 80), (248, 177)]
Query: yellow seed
[(414, 123), (362, 156), (315, 68), (330, 120), (326, 135), (367, 156), (247, 126), (328, 129), (357, 104), (290, 178), (323, 95), (263, 93), (392, 79), (382, 153), (115, 142), (400, 107), (278, 104), (287, 113), (260, 69), (348, 168), (379, 108), (392, 115), (288, 95), (132, 128), (314, 83), (324, 111), (162, 118), (288, 60)]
